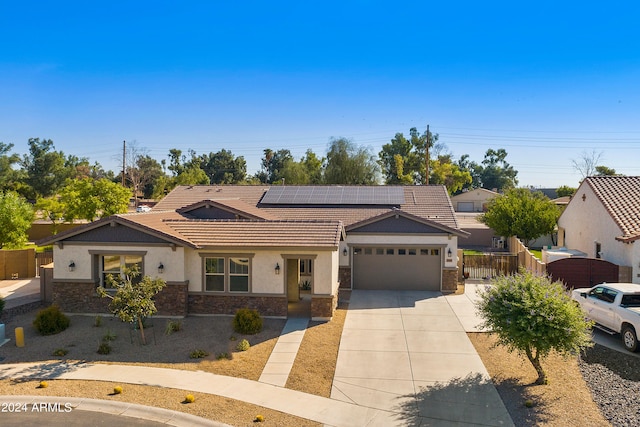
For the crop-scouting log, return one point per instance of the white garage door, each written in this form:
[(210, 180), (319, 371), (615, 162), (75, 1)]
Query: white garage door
[(397, 268), (465, 206)]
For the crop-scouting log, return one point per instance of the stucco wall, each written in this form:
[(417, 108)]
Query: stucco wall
[(586, 222), (81, 255)]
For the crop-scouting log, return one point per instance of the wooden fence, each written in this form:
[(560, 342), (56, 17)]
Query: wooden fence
[(43, 258), (485, 266)]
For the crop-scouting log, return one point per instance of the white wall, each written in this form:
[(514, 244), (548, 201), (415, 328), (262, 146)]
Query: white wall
[(586, 222), (80, 254)]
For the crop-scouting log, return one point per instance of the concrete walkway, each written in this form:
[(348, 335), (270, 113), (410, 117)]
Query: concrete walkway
[(284, 353), (408, 353)]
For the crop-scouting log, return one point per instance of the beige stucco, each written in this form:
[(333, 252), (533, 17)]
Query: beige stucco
[(479, 197), (81, 255), (585, 222)]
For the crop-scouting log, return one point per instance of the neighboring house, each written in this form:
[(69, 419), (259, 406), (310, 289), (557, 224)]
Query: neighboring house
[(221, 248), (603, 220), (475, 200)]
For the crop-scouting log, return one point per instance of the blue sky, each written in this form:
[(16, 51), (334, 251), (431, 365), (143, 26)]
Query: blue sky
[(546, 81)]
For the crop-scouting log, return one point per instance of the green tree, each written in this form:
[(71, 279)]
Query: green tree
[(495, 172), (192, 175), (313, 166), (8, 176), (447, 173), (605, 171), (150, 172), (16, 216), (52, 209), (403, 161), (273, 164), (533, 315), (133, 299), (90, 199), (521, 213), (223, 167), (45, 169), (350, 164), (565, 190)]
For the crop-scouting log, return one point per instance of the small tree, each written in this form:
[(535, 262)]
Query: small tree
[(521, 213), (16, 215), (533, 315), (133, 300)]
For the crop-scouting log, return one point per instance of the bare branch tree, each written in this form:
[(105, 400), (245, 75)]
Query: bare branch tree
[(587, 163)]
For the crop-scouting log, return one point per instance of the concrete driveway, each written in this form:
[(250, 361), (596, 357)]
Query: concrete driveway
[(407, 352)]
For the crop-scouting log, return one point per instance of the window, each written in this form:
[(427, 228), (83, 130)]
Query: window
[(435, 252), (379, 251), (424, 251), (402, 251), (412, 251), (214, 274), (390, 251), (115, 265), (368, 251), (226, 274)]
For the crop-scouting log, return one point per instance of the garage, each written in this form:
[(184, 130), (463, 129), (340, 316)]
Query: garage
[(465, 207), (397, 268)]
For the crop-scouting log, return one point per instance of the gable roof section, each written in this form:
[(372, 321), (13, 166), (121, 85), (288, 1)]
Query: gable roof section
[(149, 223), (428, 202), (233, 206), (620, 196), (406, 223), (244, 233)]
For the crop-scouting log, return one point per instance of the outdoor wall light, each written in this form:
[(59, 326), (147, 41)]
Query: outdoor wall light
[(277, 268), (161, 268), (72, 266), (449, 253), (345, 252)]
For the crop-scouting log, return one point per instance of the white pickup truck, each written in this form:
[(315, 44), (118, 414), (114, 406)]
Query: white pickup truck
[(615, 307)]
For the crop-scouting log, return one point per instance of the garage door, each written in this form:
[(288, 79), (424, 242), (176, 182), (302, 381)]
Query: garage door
[(465, 206), (397, 268)]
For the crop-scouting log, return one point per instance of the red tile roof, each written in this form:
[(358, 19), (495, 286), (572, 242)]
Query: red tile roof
[(620, 195)]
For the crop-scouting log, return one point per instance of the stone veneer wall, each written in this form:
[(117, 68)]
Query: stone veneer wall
[(228, 304), (344, 275), (323, 307), (449, 280), (74, 297)]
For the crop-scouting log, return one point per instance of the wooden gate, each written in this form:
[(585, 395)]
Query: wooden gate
[(485, 266), (583, 272), (43, 258)]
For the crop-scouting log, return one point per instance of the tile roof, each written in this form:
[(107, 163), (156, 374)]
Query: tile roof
[(242, 233), (428, 202), (620, 196)]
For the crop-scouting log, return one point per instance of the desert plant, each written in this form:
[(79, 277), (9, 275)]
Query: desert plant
[(189, 398), (221, 356), (172, 326), (98, 321), (305, 285), (247, 321), (50, 321), (198, 354), (43, 384), (117, 390), (104, 348), (243, 345), (60, 352), (109, 336), (259, 418)]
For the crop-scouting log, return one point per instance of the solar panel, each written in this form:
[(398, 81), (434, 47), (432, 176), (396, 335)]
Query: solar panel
[(334, 195)]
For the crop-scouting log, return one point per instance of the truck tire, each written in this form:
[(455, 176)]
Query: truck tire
[(629, 338)]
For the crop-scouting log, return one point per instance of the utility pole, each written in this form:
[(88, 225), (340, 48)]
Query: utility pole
[(124, 156), (426, 160)]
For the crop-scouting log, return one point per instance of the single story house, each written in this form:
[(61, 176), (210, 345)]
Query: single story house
[(603, 220), (220, 248), (474, 200)]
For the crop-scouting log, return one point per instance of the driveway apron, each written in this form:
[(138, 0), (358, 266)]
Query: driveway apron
[(407, 352)]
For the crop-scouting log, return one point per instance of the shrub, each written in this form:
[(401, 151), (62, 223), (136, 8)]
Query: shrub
[(247, 321), (60, 352), (243, 345), (189, 398), (117, 390), (259, 418), (198, 354), (50, 321), (104, 348), (98, 321), (173, 326), (43, 384), (109, 336), (221, 356)]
